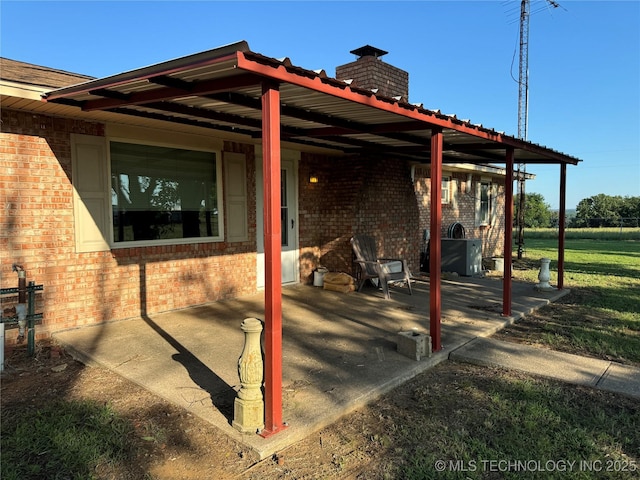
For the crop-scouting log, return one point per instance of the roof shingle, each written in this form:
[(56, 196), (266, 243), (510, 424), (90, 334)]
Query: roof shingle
[(27, 73)]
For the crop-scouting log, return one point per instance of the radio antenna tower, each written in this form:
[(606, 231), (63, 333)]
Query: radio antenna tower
[(523, 107)]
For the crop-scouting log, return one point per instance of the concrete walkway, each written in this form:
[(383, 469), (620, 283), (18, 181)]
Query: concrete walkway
[(339, 350), (566, 367)]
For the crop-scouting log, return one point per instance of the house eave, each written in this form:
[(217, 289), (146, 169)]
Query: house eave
[(221, 88)]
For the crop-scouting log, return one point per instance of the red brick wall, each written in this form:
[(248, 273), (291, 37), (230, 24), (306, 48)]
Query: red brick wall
[(37, 231), (355, 195), (462, 210)]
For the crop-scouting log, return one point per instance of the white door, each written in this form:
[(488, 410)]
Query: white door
[(288, 217)]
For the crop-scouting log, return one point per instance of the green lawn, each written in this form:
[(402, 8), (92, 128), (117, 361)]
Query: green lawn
[(64, 440), (601, 316), (470, 422)]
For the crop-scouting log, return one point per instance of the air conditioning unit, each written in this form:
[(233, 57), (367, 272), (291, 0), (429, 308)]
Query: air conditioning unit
[(462, 256)]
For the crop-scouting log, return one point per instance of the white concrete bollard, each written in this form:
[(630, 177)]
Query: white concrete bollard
[(248, 408), (544, 276)]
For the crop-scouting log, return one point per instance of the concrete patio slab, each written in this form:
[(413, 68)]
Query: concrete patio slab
[(339, 350)]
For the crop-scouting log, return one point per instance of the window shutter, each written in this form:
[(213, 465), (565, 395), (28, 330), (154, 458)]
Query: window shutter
[(235, 173), (453, 186), (478, 191), (90, 193)]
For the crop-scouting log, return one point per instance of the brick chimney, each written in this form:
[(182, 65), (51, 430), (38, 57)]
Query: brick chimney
[(370, 72)]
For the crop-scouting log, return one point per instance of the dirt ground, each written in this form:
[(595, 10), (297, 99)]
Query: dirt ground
[(171, 444)]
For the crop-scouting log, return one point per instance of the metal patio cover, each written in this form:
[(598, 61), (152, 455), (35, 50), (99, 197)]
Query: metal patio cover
[(220, 89), (234, 90)]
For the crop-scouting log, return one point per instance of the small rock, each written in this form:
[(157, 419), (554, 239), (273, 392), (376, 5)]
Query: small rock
[(59, 368)]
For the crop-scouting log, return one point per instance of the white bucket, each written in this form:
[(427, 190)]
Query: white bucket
[(497, 264), (318, 277)]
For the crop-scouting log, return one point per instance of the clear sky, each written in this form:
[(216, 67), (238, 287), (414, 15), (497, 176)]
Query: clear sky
[(462, 58)]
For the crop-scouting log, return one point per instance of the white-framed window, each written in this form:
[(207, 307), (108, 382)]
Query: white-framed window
[(174, 190), (484, 202), (446, 190), (163, 194)]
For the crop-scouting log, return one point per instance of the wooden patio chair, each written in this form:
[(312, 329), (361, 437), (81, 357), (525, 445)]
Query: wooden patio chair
[(371, 267)]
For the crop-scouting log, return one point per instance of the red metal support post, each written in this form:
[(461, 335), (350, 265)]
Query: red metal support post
[(435, 303), (272, 254), (562, 215), (508, 234)]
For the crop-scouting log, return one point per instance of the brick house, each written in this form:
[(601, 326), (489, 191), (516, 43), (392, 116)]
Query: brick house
[(225, 172), (143, 192)]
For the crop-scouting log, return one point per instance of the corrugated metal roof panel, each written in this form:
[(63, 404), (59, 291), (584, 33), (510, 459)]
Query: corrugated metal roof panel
[(314, 107)]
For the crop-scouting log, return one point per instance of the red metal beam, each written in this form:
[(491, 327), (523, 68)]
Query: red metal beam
[(376, 129), (272, 257), (169, 93), (561, 218), (508, 234), (435, 304), (431, 119), (329, 131)]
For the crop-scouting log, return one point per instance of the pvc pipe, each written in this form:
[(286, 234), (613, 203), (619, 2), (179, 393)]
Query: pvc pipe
[(21, 307), (21, 310), (1, 346)]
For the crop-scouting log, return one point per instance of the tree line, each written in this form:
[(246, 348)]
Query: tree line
[(598, 211)]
